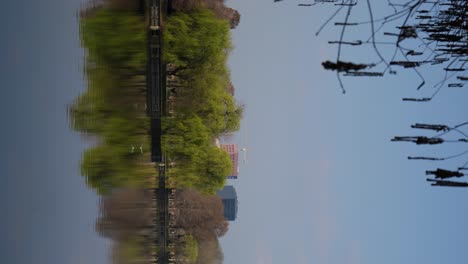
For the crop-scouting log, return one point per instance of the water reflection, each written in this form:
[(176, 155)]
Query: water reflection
[(118, 167), (113, 110), (128, 218), (113, 106)]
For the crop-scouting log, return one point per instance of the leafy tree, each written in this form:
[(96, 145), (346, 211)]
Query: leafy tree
[(190, 250), (210, 252), (200, 215), (217, 6), (222, 113), (213, 167), (191, 40), (199, 164)]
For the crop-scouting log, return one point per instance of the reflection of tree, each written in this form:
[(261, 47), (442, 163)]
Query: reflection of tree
[(126, 217), (115, 38), (124, 213), (113, 107), (114, 110)]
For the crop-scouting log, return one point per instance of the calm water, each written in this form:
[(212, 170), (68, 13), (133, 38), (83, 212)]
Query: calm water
[(48, 212)]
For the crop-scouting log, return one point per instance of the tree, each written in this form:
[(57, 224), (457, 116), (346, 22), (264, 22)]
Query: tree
[(438, 27), (217, 6), (199, 164), (200, 215), (213, 169), (193, 39), (190, 249), (210, 252)]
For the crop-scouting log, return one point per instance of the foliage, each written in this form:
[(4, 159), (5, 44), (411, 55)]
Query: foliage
[(217, 6), (209, 252), (191, 248), (195, 39), (197, 44), (112, 111), (200, 215), (199, 164)]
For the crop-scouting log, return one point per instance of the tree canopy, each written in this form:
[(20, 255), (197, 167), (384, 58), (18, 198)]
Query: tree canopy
[(197, 45)]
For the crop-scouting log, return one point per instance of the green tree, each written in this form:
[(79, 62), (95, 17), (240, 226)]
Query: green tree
[(213, 167), (198, 163), (193, 39), (190, 250)]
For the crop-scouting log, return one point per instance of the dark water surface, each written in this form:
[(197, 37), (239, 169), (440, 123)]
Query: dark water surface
[(48, 213)]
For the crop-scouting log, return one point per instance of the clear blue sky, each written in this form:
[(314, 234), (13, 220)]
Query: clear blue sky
[(323, 183)]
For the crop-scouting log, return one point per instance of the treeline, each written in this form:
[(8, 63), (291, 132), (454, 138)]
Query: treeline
[(200, 217), (112, 112), (202, 106), (196, 47), (216, 6), (127, 217)]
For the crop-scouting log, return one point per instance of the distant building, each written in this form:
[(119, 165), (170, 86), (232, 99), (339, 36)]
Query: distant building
[(229, 196), (234, 154)]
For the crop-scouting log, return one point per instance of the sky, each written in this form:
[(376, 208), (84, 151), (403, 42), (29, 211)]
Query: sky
[(322, 184), (47, 212)]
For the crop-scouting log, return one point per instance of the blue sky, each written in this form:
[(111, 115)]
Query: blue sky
[(323, 183)]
